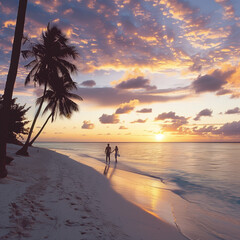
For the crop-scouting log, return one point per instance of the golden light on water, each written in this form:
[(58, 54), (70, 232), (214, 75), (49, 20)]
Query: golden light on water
[(159, 137)]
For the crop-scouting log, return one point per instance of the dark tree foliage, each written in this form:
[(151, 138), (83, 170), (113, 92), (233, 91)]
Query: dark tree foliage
[(59, 102), (50, 60), (9, 85), (16, 122)]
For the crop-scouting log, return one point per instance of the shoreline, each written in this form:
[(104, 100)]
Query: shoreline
[(166, 201), (122, 182), (51, 196)]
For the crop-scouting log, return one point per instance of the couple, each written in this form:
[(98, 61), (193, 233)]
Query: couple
[(108, 152)]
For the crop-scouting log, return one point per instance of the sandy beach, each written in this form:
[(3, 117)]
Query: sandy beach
[(50, 196)]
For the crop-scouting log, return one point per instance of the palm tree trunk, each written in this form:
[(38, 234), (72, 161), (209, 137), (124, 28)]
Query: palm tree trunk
[(11, 78), (33, 140), (24, 150)]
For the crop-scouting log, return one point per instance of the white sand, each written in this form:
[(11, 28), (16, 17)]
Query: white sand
[(50, 196)]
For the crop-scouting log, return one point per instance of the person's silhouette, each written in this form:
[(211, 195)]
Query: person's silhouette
[(116, 153), (108, 153)]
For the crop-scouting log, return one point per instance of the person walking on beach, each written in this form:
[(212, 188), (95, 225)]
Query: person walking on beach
[(116, 153), (108, 152)]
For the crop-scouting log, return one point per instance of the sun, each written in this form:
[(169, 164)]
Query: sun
[(159, 137)]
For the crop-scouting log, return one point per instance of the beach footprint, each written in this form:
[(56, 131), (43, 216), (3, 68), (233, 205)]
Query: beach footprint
[(71, 223)]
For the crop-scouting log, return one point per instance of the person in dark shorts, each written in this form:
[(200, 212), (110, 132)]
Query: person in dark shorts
[(108, 153)]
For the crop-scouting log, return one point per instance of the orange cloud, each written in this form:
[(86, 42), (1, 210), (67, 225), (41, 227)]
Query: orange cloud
[(229, 11), (87, 125), (9, 23), (49, 6), (235, 77), (68, 11), (127, 107)]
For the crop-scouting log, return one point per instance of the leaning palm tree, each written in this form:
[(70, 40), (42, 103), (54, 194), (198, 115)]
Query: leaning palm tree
[(59, 102), (11, 78), (50, 62)]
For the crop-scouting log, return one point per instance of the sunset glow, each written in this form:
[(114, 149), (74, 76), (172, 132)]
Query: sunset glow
[(144, 67), (159, 137)]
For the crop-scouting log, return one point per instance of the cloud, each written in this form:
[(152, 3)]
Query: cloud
[(204, 130), (211, 82), (21, 89), (109, 119), (233, 111), (145, 110), (235, 95), (196, 65), (121, 35), (6, 9), (50, 7), (136, 83), (88, 83), (223, 92), (169, 115), (118, 36), (139, 121), (205, 112), (9, 23), (87, 125), (123, 127), (229, 11), (191, 19), (175, 121), (208, 83), (101, 96), (229, 129), (127, 107), (174, 125), (169, 90)]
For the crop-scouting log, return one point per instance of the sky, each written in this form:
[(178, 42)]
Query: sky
[(148, 71)]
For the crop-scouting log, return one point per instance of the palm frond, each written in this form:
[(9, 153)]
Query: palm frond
[(75, 96), (70, 66), (68, 51), (39, 100), (27, 53), (31, 64), (51, 66)]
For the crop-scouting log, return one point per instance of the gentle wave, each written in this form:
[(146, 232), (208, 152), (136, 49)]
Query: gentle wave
[(186, 187)]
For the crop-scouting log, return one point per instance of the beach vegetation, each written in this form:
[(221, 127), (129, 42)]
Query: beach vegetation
[(49, 63), (16, 122), (58, 99), (11, 78)]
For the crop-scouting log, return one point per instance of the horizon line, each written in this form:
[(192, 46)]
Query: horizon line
[(135, 142)]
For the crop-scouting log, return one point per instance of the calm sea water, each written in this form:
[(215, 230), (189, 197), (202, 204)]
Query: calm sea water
[(206, 176)]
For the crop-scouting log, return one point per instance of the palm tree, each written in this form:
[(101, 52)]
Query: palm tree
[(49, 64), (11, 78), (59, 102)]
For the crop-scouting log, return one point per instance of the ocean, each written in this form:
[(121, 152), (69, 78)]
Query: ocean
[(195, 186)]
